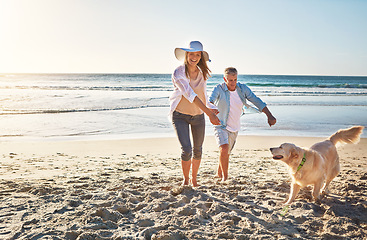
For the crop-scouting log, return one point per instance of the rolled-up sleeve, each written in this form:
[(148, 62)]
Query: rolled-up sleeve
[(182, 83), (208, 103), (214, 95), (253, 98)]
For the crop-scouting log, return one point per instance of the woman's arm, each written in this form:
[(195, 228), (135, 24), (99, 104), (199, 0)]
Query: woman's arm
[(212, 117)]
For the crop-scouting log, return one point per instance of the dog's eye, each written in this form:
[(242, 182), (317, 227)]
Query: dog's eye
[(280, 147)]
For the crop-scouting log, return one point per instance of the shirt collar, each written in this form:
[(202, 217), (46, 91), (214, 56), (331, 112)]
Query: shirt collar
[(226, 88)]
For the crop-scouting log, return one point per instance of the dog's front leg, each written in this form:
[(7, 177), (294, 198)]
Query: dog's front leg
[(294, 191)]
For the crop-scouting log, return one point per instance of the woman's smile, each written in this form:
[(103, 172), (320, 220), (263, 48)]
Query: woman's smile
[(193, 57)]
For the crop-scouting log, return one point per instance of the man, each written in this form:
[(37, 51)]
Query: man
[(230, 97)]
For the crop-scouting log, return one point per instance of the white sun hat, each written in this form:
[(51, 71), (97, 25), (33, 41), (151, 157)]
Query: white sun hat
[(194, 46)]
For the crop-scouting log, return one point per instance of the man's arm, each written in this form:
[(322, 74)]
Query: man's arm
[(271, 119)]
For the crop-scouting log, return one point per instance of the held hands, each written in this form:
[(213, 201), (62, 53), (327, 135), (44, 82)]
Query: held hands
[(214, 119), (215, 111), (210, 112)]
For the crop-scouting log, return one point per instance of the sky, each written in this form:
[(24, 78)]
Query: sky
[(290, 37)]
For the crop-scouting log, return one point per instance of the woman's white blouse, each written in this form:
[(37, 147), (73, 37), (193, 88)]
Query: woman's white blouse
[(182, 87)]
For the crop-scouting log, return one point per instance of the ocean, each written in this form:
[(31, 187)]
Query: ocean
[(58, 107)]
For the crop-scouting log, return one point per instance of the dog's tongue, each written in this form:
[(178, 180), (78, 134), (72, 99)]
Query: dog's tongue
[(277, 157)]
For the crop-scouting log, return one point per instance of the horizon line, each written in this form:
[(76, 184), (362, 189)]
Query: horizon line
[(112, 73)]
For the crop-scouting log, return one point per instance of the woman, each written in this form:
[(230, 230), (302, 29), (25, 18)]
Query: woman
[(188, 103)]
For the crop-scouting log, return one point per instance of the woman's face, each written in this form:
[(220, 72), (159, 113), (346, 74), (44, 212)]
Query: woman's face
[(193, 58)]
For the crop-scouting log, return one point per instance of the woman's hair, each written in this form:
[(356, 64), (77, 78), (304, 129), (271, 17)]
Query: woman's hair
[(202, 65)]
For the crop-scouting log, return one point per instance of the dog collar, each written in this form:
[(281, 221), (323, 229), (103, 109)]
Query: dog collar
[(302, 162)]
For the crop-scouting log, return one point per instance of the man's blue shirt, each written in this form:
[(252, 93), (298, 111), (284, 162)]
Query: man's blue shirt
[(221, 98)]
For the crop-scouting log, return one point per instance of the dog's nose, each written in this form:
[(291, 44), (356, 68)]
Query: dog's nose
[(271, 149)]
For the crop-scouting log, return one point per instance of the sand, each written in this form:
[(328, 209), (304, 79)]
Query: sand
[(130, 189)]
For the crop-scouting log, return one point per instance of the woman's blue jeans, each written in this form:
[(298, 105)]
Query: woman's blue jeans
[(182, 123)]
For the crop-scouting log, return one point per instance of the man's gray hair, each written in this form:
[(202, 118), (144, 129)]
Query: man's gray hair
[(230, 71)]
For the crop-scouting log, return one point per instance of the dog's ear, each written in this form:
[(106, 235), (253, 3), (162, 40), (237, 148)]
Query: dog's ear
[(294, 153)]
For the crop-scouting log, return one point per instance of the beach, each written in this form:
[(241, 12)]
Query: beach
[(89, 147), (130, 189), (94, 156)]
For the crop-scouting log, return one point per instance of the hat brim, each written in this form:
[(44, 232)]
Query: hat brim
[(180, 53)]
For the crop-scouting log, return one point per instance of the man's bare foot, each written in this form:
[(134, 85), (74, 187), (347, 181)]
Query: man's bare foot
[(223, 180), (218, 176)]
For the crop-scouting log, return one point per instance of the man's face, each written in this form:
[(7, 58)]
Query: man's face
[(231, 81)]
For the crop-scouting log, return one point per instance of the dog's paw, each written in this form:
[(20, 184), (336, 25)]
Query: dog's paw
[(288, 202)]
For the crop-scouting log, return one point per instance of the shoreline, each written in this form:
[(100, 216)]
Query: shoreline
[(130, 189), (250, 141)]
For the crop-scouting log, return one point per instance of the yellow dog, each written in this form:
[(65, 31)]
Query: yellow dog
[(316, 166)]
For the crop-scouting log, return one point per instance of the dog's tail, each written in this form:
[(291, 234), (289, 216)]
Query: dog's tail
[(350, 135)]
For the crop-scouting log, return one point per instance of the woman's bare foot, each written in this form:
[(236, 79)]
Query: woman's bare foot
[(194, 183), (185, 182)]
